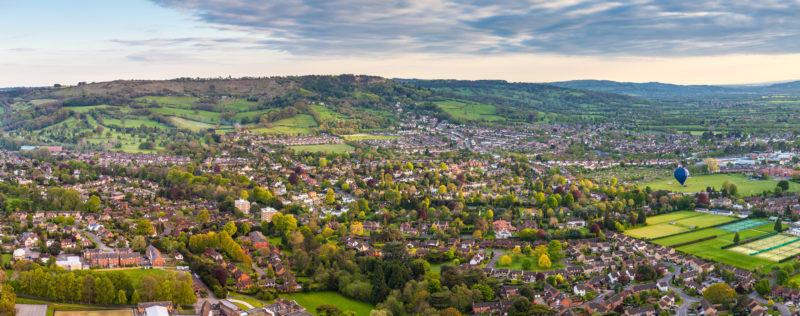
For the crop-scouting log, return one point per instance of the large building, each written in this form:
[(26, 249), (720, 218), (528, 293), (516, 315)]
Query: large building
[(267, 213), (156, 259), (243, 205)]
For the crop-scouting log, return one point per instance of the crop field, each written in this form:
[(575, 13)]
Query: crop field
[(655, 231), (746, 186), (470, 110)]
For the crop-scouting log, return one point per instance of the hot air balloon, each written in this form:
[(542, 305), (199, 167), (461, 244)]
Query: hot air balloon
[(681, 174)]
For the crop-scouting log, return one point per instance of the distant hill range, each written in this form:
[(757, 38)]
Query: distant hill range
[(671, 91)]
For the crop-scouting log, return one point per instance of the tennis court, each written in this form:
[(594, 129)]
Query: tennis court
[(763, 244), (743, 225), (781, 252)]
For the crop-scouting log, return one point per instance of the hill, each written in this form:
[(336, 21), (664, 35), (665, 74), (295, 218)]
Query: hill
[(672, 91)]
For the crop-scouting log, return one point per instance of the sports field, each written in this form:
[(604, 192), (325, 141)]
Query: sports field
[(675, 223), (746, 186), (743, 225), (773, 248)]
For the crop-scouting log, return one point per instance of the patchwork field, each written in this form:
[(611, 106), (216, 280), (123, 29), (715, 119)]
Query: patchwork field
[(710, 250), (331, 148), (746, 186), (469, 110)]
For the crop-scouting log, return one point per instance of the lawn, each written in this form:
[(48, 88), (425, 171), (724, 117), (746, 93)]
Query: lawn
[(313, 300), (746, 186), (331, 148), (437, 267), (136, 274), (189, 124), (170, 101), (252, 301), (95, 313)]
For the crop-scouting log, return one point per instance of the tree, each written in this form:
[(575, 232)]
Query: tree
[(139, 243), (328, 309), (135, 298), (713, 164), (520, 307), (442, 190), (544, 262), (477, 235), (527, 264), (379, 288), (230, 228), (121, 298), (203, 216), (554, 249), (356, 228), (450, 311), (719, 293), (486, 291), (762, 287), (778, 227), (784, 185), (736, 238), (641, 218), (93, 204), (244, 228), (781, 276), (330, 197), (145, 227), (505, 260)]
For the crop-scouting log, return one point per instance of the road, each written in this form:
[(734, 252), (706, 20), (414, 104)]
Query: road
[(211, 298), (683, 309), (98, 242), (260, 271), (782, 308), (495, 256)]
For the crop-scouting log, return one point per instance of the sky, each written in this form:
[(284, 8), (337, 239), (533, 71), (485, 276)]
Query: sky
[(44, 42)]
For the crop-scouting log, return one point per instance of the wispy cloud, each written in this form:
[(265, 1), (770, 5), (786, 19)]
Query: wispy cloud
[(574, 27)]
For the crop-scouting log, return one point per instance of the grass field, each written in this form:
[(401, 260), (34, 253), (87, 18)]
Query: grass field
[(516, 264), (136, 274), (655, 231), (189, 124), (332, 148), (746, 186), (169, 101), (710, 249), (298, 124), (669, 241), (55, 308), (662, 225), (461, 109), (313, 300), (326, 114)]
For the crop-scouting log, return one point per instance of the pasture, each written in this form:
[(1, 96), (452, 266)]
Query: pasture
[(746, 186), (467, 110), (655, 231), (367, 136), (298, 124)]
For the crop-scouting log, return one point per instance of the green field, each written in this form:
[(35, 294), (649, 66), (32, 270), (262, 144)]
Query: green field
[(313, 300), (516, 264), (710, 249), (695, 235), (128, 312), (746, 186), (683, 222), (170, 101), (326, 114), (331, 148), (189, 124), (298, 124), (55, 308), (136, 274), (467, 110)]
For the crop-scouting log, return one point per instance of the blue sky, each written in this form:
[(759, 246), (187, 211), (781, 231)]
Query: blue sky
[(701, 41)]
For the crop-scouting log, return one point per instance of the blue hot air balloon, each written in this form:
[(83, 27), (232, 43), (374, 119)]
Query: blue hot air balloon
[(681, 174)]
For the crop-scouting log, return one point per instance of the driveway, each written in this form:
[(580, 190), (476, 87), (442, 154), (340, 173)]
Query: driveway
[(97, 241)]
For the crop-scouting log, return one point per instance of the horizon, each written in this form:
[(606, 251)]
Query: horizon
[(517, 41)]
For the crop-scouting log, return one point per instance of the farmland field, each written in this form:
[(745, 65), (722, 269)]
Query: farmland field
[(669, 241), (298, 124), (746, 186), (674, 216), (314, 299)]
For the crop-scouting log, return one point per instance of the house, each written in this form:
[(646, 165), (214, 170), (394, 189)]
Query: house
[(666, 302), (503, 229), (580, 289), (575, 223), (706, 308), (154, 256), (258, 240), (648, 310)]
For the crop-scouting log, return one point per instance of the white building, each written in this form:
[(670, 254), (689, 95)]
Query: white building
[(267, 213), (243, 205)]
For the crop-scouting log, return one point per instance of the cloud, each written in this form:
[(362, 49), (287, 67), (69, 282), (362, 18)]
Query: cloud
[(572, 27)]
